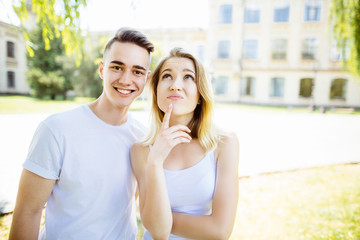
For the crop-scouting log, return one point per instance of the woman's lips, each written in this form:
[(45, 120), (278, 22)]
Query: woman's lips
[(175, 97)]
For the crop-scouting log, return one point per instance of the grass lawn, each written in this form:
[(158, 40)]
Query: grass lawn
[(311, 204), (24, 104), (318, 203)]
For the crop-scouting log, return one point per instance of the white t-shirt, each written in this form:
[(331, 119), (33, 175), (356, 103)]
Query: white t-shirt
[(93, 197), (191, 190)]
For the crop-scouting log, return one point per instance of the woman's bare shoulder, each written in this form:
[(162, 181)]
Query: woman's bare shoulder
[(228, 144)]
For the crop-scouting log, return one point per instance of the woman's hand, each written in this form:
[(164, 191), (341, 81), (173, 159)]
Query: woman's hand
[(168, 138)]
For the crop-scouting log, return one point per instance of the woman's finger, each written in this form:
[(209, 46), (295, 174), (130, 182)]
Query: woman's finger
[(166, 119), (178, 127)]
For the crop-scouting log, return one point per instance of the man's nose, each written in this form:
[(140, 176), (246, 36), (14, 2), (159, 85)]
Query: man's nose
[(125, 77)]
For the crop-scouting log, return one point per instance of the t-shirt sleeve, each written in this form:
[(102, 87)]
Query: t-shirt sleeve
[(44, 156), (138, 129)]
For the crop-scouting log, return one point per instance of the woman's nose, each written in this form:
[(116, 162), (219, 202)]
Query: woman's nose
[(176, 85)]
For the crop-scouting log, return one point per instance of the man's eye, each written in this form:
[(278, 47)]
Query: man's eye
[(117, 68), (138, 72)]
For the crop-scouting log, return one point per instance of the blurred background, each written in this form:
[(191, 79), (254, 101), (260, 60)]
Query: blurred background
[(285, 75)]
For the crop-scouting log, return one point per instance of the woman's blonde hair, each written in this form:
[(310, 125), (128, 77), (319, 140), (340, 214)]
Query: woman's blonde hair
[(201, 125)]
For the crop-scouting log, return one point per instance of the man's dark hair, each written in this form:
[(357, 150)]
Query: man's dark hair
[(131, 36)]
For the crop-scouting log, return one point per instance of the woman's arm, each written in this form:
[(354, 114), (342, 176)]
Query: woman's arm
[(148, 167), (220, 223), (154, 204)]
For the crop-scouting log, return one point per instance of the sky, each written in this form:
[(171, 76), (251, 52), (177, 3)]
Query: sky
[(108, 15)]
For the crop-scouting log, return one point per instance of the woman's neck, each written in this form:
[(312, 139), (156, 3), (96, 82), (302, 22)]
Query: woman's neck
[(180, 119)]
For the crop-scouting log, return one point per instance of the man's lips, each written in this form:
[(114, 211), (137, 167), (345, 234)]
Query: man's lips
[(124, 91)]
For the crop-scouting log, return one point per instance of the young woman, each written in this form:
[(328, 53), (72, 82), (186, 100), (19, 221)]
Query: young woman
[(187, 170)]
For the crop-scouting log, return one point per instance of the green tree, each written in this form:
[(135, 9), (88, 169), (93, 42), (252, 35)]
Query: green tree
[(57, 19), (156, 56), (44, 58), (45, 84), (53, 65), (345, 23), (88, 82)]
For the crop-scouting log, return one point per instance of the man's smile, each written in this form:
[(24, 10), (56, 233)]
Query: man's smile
[(124, 91)]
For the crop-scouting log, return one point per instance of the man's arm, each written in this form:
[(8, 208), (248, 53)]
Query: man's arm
[(33, 193)]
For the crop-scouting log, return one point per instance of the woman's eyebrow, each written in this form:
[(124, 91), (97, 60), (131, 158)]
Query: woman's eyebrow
[(166, 70), (188, 70)]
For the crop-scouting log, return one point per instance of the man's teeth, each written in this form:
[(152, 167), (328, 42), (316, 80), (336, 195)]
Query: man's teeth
[(123, 91)]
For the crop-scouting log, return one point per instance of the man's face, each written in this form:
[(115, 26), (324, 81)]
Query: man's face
[(124, 71)]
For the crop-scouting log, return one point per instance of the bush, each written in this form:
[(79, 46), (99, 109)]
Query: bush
[(45, 84)]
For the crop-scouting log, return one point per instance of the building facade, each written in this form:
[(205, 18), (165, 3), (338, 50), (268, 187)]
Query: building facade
[(268, 52), (12, 61), (277, 52), (191, 39)]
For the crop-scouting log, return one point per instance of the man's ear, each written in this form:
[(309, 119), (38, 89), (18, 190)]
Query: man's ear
[(147, 76), (101, 69)]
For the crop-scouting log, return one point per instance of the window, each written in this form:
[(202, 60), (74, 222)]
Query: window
[(306, 87), (281, 11), (336, 53), (338, 89), (247, 86), (312, 10), (221, 85), (309, 47), (10, 49), (223, 49), (225, 16), (10, 79), (252, 13), (279, 47), (250, 49), (200, 52), (277, 87)]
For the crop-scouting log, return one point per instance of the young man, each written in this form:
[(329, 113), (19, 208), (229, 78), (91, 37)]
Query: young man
[(78, 162)]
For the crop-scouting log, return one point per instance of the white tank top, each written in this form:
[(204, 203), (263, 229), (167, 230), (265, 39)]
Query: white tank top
[(191, 190)]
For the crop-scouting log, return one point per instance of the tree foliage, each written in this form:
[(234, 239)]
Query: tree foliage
[(57, 19), (345, 21), (88, 82), (48, 75), (45, 84)]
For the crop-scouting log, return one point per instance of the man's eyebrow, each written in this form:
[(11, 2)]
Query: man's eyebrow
[(139, 67), (123, 64), (117, 62)]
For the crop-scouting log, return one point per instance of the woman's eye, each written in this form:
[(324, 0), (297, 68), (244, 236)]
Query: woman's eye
[(166, 76), (189, 77)]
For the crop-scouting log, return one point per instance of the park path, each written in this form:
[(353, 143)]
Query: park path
[(269, 142)]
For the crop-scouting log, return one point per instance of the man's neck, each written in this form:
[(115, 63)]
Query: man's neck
[(108, 113)]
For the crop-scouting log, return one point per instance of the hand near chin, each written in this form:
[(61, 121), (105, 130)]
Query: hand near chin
[(168, 138)]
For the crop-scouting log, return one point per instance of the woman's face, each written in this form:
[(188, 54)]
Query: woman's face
[(177, 86)]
